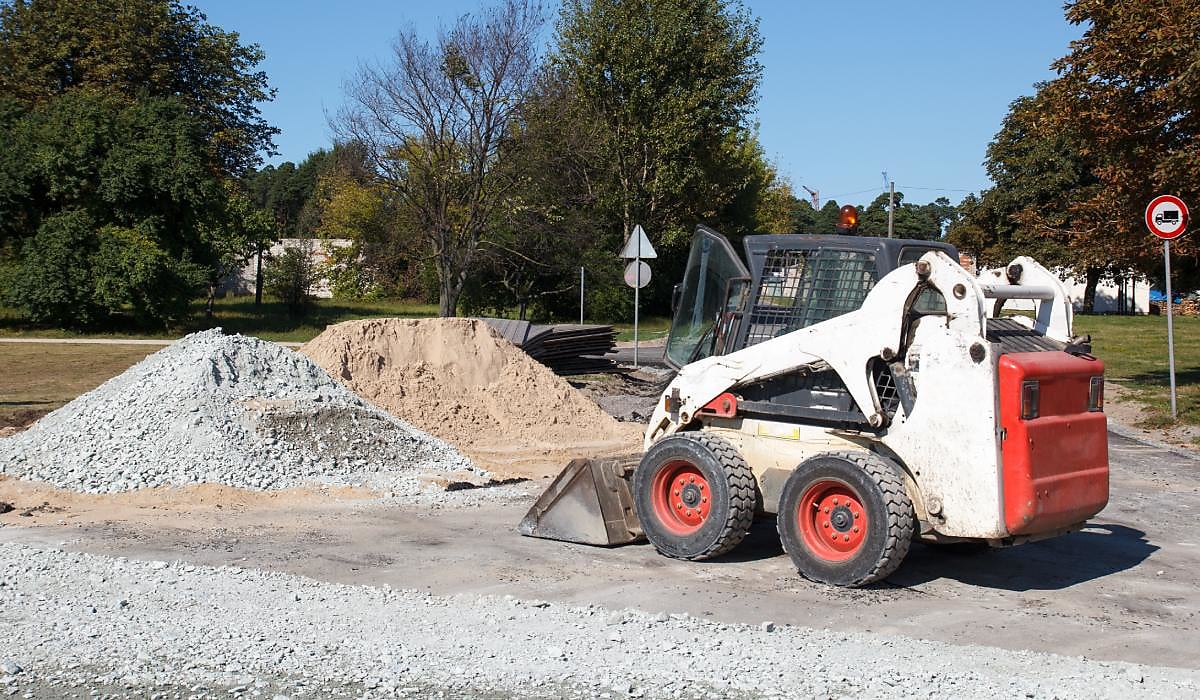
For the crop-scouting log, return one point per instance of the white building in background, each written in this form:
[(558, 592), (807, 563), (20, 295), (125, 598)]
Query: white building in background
[(242, 283), (1128, 296)]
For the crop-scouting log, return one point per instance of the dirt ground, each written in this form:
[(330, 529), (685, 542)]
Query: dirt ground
[(1123, 589), (1132, 415), (28, 391)]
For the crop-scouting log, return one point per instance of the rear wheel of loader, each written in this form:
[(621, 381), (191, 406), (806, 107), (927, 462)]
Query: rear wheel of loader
[(845, 518), (694, 495)]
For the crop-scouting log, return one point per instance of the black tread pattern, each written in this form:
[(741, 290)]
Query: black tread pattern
[(900, 516), (741, 494)]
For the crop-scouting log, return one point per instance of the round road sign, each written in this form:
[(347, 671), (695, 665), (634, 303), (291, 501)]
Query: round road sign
[(1167, 216), (631, 274)]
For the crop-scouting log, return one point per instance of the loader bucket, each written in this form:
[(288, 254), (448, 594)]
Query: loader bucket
[(589, 502)]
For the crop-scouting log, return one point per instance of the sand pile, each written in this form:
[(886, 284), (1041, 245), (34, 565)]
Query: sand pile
[(233, 410), (460, 380)]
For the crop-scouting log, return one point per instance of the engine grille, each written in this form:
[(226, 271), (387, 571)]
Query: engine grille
[(885, 389)]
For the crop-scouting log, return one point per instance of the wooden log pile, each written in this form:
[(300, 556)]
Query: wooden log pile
[(1187, 307)]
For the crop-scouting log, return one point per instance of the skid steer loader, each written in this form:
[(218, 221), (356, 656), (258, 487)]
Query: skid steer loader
[(867, 392)]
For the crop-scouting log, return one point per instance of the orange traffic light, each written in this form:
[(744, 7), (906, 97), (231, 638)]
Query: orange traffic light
[(848, 218)]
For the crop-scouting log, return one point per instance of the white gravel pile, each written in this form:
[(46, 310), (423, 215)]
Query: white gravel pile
[(224, 409), (81, 621)]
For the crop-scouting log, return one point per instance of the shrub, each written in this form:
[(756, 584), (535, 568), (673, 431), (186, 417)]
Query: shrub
[(291, 276), (53, 281)]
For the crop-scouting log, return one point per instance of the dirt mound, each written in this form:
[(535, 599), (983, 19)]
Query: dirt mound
[(460, 380)]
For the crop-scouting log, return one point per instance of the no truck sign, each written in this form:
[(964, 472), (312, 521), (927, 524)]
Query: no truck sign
[(1167, 218)]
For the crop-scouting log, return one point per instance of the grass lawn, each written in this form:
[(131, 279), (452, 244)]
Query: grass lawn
[(39, 378), (649, 328), (1134, 350), (270, 321)]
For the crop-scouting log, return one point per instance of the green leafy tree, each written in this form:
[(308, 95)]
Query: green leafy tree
[(669, 80), (804, 217), (670, 86), (135, 49), (130, 270), (290, 277), (1075, 164), (286, 192), (237, 232), (917, 221), (121, 122), (138, 177), (1040, 175), (54, 282)]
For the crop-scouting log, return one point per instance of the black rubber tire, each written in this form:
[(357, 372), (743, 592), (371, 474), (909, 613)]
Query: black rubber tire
[(879, 487), (733, 495)]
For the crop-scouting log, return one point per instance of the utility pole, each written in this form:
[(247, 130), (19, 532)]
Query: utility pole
[(816, 197), (891, 206)]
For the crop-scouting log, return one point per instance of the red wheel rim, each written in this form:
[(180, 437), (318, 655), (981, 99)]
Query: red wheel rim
[(833, 522), (682, 497)]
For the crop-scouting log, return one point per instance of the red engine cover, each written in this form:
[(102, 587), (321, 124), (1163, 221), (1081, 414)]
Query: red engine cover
[(1055, 465)]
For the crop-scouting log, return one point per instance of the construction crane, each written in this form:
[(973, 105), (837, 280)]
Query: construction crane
[(816, 196)]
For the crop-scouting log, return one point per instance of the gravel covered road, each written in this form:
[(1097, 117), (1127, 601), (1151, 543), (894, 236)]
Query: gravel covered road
[(71, 622)]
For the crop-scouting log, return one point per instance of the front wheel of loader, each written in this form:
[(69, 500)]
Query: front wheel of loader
[(694, 495), (845, 518)]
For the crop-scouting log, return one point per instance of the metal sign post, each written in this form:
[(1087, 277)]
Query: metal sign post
[(637, 274), (1170, 326), (1167, 218)]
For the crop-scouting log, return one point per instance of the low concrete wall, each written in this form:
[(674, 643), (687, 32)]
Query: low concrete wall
[(242, 283)]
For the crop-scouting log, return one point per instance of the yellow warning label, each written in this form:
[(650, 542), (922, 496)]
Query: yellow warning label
[(775, 430)]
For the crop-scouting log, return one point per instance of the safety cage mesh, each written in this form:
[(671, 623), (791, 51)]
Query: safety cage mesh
[(801, 287)]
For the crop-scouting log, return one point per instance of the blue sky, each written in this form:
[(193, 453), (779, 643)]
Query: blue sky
[(850, 89)]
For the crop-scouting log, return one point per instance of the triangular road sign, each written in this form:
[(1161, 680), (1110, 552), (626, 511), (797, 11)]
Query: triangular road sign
[(636, 239)]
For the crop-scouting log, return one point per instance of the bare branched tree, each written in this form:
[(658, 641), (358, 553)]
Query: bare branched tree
[(433, 120)]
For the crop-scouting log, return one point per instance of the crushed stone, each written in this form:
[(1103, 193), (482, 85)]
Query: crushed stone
[(228, 409), (76, 620)]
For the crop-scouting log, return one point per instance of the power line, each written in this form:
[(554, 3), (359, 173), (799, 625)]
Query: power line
[(847, 194), (936, 189)]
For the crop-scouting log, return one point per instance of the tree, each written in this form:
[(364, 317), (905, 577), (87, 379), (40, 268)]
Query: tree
[(291, 277), (286, 192), (117, 197), (134, 49), (917, 221), (238, 233), (1127, 95), (122, 124), (545, 231), (670, 80), (351, 203), (1040, 175), (433, 121)]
